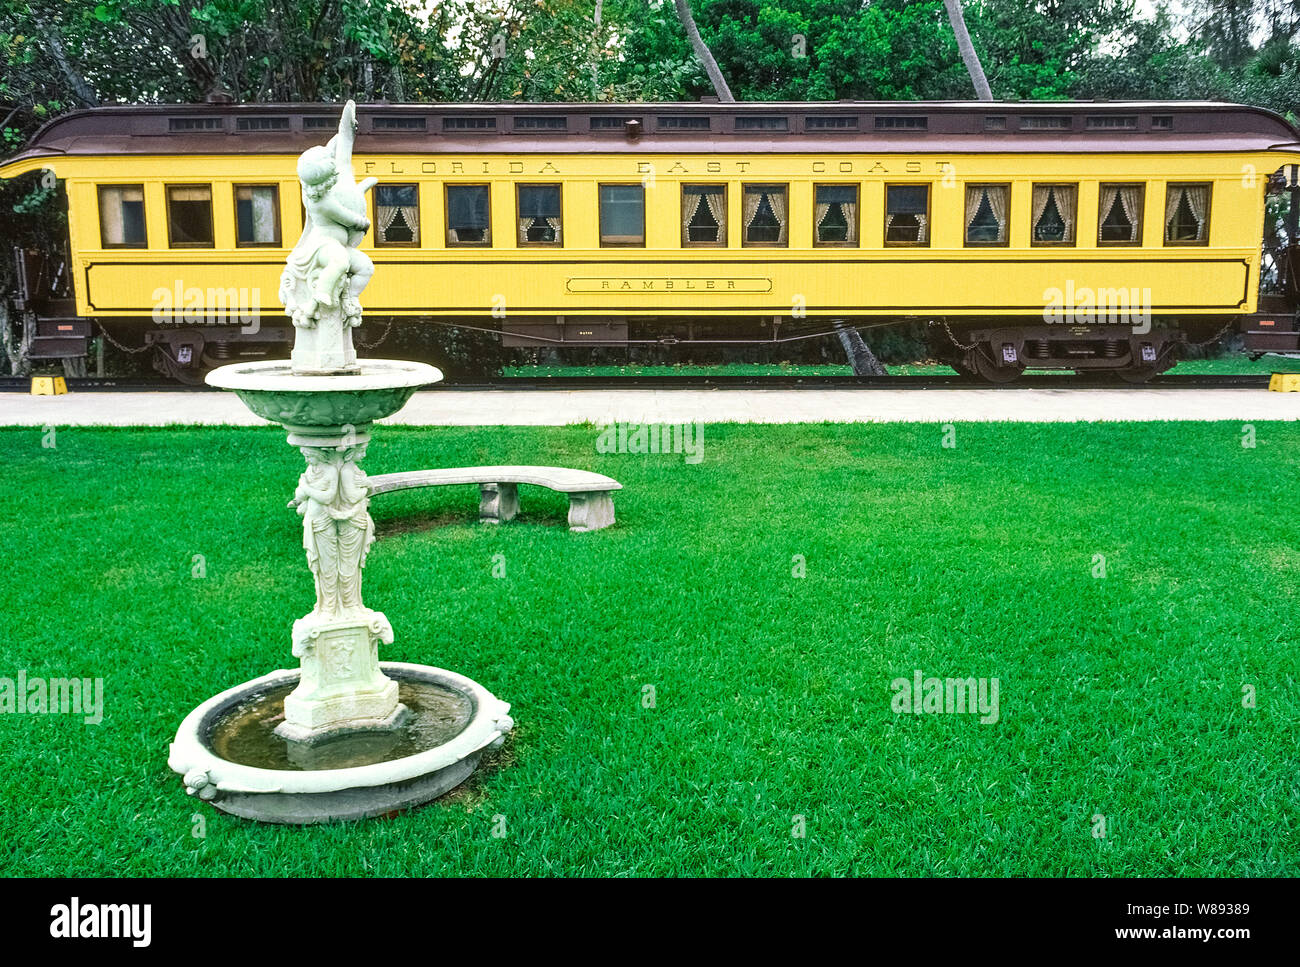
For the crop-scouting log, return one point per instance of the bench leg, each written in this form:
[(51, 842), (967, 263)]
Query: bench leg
[(590, 511), (498, 503)]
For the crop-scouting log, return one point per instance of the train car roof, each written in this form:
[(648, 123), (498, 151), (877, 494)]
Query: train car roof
[(705, 127)]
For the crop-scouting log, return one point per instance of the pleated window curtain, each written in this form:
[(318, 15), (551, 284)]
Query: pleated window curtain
[(1063, 197), (397, 209), (1067, 206), (759, 230), (696, 201), (1130, 197), (843, 201), (539, 215), (776, 200), (974, 197), (716, 199), (997, 196), (1197, 198), (1129, 200)]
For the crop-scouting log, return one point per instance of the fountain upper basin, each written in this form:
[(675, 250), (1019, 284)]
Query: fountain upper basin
[(271, 389)]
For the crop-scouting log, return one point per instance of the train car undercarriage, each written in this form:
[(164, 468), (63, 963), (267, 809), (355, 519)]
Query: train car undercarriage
[(996, 350)]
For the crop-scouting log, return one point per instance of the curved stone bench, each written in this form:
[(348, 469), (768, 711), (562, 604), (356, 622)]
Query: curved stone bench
[(591, 501)]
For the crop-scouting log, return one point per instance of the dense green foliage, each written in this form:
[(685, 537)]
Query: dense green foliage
[(1119, 696)]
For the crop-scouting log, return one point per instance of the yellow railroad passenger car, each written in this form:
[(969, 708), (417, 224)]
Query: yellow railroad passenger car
[(1057, 235)]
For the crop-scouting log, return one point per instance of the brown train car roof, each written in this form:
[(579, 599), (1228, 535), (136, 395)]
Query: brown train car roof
[(673, 128)]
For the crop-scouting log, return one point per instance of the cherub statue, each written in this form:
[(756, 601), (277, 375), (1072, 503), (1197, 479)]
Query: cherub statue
[(326, 266)]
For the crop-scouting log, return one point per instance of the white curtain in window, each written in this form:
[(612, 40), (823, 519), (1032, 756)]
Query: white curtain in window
[(1042, 193), (524, 225), (749, 206), (554, 223), (820, 211), (922, 223), (850, 210), (718, 209), (1130, 197), (1198, 200), (110, 215), (997, 197), (387, 214), (1109, 199), (776, 199), (690, 207), (1065, 197), (973, 198), (262, 204), (1172, 200)]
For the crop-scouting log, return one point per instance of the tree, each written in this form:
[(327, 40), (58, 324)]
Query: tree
[(702, 51), (967, 50)]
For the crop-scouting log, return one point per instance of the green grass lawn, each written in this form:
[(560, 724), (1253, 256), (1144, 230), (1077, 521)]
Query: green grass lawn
[(1226, 365), (1120, 696)]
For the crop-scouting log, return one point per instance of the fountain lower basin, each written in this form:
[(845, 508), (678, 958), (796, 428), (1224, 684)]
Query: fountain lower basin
[(230, 757)]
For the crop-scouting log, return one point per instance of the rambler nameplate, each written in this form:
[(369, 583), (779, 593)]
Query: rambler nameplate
[(667, 284)]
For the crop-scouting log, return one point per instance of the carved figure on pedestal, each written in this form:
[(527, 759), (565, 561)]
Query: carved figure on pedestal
[(322, 282), (333, 498)]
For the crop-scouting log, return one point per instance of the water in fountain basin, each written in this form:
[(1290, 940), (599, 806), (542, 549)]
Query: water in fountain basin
[(245, 733)]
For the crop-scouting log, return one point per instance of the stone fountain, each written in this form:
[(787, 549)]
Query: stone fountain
[(344, 736)]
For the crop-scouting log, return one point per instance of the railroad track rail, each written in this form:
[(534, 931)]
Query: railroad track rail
[(92, 384)]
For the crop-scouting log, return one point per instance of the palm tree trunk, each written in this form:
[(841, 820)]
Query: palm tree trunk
[(702, 51), (967, 50), (860, 356)]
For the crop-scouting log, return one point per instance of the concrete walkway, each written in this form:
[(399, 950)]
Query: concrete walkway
[(447, 407)]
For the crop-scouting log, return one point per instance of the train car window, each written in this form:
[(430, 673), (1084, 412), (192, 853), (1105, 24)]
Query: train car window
[(764, 215), (835, 214), (468, 218), (397, 215), (622, 215), (189, 216), (1119, 215), (704, 215), (1187, 214), (121, 216), (907, 214), (257, 215), (540, 217), (1053, 218), (986, 214)]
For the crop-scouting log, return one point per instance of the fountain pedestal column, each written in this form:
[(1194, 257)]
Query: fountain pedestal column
[(337, 643)]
